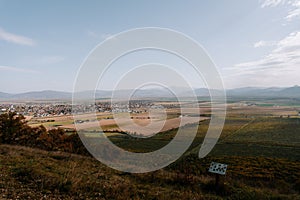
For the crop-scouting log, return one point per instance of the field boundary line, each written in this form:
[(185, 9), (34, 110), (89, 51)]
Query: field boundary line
[(235, 132)]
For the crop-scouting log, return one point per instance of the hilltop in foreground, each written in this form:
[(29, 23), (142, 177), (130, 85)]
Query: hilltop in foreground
[(28, 173)]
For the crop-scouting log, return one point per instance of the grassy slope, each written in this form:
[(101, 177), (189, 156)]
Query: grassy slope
[(35, 174)]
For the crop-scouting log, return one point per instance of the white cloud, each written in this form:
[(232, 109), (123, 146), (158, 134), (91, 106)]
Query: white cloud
[(280, 67), (17, 39), (295, 12), (264, 43), (294, 6), (271, 3), (286, 51), (15, 69)]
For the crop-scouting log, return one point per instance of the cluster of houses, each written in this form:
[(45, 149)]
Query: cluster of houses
[(53, 109), (37, 110)]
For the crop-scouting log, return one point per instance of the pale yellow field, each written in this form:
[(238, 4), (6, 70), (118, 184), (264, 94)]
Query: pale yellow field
[(141, 123)]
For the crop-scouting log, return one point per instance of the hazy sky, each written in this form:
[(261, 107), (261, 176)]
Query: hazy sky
[(252, 42)]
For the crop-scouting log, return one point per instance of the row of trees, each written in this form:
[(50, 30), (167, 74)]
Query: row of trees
[(15, 130)]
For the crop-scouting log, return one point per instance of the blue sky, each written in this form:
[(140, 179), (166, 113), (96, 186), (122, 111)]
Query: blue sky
[(252, 42)]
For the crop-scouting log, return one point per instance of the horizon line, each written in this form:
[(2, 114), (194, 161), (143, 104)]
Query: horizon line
[(109, 90)]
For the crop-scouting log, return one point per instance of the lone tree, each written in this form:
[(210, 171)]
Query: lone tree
[(12, 126)]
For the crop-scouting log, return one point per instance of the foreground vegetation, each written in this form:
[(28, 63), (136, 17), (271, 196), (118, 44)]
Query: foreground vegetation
[(32, 173)]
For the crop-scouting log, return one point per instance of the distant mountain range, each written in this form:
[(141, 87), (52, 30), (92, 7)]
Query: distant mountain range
[(288, 92), (276, 92)]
